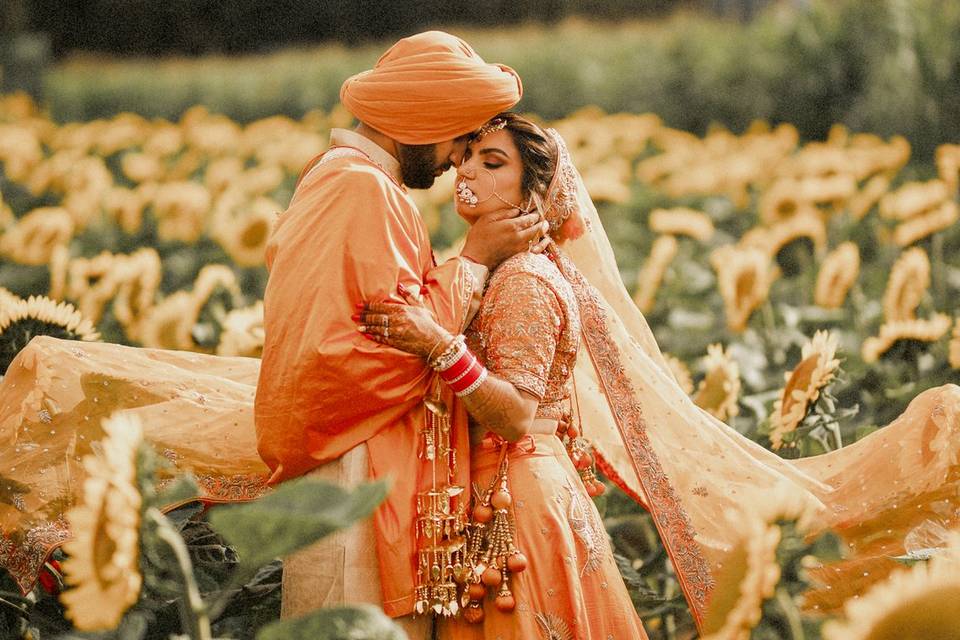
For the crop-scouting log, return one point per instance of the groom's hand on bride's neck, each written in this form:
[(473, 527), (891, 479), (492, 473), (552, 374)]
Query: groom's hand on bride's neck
[(496, 236)]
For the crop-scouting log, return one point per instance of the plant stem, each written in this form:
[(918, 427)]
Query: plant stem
[(835, 428), (791, 613), (193, 614)]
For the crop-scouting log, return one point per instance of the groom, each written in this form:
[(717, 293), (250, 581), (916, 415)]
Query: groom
[(328, 401)]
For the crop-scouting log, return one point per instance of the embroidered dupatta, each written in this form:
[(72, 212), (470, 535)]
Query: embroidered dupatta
[(695, 474)]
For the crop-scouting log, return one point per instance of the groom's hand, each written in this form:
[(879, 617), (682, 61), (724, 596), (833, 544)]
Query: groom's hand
[(500, 234)]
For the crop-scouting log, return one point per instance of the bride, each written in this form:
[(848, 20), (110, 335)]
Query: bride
[(687, 468)]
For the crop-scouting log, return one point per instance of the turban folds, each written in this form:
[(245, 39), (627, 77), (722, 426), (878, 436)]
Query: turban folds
[(429, 88)]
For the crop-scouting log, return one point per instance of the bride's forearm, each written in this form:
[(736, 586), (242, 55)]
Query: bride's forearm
[(500, 407)]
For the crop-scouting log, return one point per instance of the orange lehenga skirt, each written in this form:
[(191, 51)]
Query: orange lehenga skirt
[(572, 588)]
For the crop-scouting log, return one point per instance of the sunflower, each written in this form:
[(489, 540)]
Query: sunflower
[(748, 575), (124, 131), (163, 140), (245, 236), (103, 557), (662, 252), (719, 390), (21, 320), (262, 179), (914, 330), (139, 283), (931, 222), (222, 173), (214, 289), (59, 263), (909, 281), (608, 181), (773, 239), (92, 283), (7, 298), (954, 356), (181, 208), (864, 200), (141, 167), (783, 200), (680, 373), (837, 274), (920, 602), (912, 199), (33, 238), (948, 165), (815, 371), (160, 325), (744, 277), (682, 221), (836, 189), (242, 333), (125, 206)]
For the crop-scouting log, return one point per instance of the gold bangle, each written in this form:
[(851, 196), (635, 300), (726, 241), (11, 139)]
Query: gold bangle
[(439, 342), (449, 355)]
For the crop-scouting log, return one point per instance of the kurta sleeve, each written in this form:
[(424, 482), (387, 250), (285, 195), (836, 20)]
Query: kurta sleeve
[(348, 237), (522, 325)]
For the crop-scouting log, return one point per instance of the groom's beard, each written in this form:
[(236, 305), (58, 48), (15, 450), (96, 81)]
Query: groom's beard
[(417, 168)]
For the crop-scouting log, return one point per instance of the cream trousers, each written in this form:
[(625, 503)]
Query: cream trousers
[(343, 567)]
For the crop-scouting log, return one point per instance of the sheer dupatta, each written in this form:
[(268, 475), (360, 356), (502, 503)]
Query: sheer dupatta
[(696, 475)]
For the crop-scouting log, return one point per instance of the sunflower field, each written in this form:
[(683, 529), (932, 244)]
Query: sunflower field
[(804, 291)]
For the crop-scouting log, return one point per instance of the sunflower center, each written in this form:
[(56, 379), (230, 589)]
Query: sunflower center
[(712, 393), (800, 379), (254, 234), (729, 579), (934, 615), (104, 547), (746, 283)]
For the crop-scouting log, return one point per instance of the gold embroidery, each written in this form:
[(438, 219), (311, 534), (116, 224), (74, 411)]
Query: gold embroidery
[(587, 528), (528, 330), (669, 515), (553, 627)]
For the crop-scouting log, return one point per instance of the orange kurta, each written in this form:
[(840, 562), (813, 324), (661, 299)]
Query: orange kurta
[(352, 234)]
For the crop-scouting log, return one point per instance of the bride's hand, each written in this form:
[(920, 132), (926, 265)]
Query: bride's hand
[(406, 327)]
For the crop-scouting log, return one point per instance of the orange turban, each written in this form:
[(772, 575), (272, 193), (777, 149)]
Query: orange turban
[(429, 88)]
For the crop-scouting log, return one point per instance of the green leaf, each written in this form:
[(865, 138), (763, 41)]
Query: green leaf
[(360, 622), (181, 489), (296, 515)]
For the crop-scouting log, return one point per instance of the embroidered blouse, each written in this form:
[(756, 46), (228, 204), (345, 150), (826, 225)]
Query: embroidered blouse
[(528, 330)]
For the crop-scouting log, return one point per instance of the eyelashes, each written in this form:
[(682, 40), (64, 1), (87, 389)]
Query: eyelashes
[(490, 165)]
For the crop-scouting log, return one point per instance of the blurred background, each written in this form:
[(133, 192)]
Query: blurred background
[(766, 170), (887, 66)]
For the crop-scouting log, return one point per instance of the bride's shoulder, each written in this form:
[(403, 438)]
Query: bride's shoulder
[(534, 266)]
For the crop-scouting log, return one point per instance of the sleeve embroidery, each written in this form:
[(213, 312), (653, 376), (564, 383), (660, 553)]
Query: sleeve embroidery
[(522, 324)]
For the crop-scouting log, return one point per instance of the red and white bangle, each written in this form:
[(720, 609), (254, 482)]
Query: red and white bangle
[(473, 386), (459, 368)]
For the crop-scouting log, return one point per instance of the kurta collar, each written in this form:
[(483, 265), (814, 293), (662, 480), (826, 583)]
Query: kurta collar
[(379, 155)]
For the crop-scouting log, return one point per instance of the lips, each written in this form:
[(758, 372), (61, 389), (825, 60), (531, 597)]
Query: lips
[(465, 194)]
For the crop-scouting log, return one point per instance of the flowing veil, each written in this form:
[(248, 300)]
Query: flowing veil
[(696, 475)]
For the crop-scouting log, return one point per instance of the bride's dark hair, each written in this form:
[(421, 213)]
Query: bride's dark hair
[(538, 153)]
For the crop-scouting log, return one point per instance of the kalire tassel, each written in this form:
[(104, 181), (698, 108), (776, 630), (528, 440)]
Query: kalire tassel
[(492, 555), (441, 524)]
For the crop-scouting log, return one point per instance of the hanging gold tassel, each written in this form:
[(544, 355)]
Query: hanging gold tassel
[(441, 525), (491, 552)]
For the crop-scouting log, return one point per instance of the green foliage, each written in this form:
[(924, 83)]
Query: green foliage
[(298, 513), (363, 622), (890, 66)]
